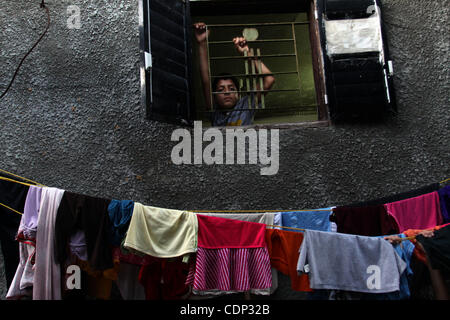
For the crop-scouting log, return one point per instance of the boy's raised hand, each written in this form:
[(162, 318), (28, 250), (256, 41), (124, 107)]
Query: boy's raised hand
[(240, 44), (200, 31)]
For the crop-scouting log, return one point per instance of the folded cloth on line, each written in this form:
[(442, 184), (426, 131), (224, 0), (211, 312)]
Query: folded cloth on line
[(163, 233), (120, 212), (26, 235), (90, 214), (397, 197), (283, 247), (266, 217), (12, 195), (29, 221), (231, 256), (312, 220), (444, 200), (215, 232), (47, 275), (350, 262), (420, 212), (364, 221)]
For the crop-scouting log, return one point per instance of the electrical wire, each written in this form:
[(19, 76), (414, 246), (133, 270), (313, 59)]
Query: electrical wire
[(42, 5)]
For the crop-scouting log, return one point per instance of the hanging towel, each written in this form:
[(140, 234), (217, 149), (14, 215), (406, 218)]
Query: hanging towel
[(89, 214), (231, 256), (313, 220), (437, 248), (340, 261), (12, 195), (417, 213), (266, 218), (163, 233), (364, 221), (228, 233), (404, 250), (283, 247), (22, 283), (120, 212), (47, 275), (444, 201)]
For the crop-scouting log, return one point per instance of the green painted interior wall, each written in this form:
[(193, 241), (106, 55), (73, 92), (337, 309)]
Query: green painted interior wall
[(305, 98)]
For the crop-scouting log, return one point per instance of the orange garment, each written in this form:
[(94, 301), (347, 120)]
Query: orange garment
[(283, 247), (418, 252), (99, 283)]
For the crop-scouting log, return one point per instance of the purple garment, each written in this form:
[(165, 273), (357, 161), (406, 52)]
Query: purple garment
[(29, 222), (444, 200), (24, 277), (77, 244)]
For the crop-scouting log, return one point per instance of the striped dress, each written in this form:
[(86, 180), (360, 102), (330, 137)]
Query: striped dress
[(232, 256)]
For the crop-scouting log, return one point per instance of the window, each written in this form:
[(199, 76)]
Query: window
[(289, 37), (357, 67)]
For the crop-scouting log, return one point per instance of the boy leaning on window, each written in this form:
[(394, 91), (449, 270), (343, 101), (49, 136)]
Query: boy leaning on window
[(229, 107)]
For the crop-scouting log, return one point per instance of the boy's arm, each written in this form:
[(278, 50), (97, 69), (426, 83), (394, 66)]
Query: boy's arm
[(200, 35), (268, 80)]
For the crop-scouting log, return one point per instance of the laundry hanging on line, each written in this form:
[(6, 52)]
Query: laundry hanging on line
[(267, 229)]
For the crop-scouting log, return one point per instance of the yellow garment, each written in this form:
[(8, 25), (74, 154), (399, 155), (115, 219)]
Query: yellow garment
[(163, 233)]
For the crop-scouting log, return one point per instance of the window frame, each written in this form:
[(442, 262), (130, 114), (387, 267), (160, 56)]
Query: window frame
[(323, 119)]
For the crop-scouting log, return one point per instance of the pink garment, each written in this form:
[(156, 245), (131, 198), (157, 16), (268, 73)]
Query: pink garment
[(230, 269), (47, 276), (420, 212), (231, 256), (215, 232)]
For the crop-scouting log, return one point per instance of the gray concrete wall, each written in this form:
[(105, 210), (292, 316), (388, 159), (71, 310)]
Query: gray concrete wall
[(73, 120)]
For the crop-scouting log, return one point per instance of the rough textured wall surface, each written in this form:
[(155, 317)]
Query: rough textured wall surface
[(73, 120)]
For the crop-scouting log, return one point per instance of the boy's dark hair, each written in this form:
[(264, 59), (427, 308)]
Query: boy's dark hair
[(224, 76)]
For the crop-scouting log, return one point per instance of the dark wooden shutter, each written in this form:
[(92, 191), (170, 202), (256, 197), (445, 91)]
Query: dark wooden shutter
[(167, 32)]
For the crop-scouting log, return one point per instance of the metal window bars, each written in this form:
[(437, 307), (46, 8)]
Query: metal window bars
[(253, 76)]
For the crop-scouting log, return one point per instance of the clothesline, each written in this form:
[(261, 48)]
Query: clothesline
[(14, 210), (19, 182), (192, 211), (17, 176), (254, 211)]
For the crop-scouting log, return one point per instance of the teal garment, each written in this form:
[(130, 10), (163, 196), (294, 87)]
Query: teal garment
[(120, 212), (310, 220)]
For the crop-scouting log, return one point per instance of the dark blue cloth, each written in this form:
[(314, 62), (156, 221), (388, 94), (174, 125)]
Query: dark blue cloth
[(405, 250), (120, 212), (311, 220), (444, 200)]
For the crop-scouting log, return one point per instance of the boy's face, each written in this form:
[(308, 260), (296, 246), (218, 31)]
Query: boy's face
[(228, 97)]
